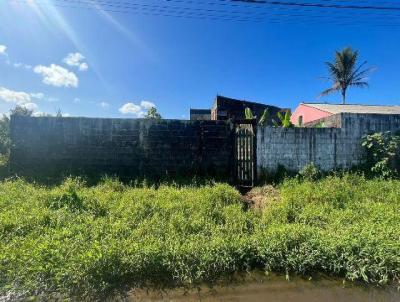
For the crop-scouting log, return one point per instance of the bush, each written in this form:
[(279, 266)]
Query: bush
[(383, 154), (310, 172), (4, 136)]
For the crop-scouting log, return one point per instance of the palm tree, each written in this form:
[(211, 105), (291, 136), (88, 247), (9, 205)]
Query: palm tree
[(344, 73)]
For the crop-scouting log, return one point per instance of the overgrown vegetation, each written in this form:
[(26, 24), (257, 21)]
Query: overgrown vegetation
[(283, 120), (310, 172), (383, 154), (4, 138), (78, 241), (263, 120)]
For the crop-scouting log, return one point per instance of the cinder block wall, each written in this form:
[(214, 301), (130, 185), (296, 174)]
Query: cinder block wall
[(124, 147), (328, 148), (132, 148)]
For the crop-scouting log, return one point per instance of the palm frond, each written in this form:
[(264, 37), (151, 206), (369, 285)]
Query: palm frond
[(328, 91), (333, 70), (360, 84), (363, 73)]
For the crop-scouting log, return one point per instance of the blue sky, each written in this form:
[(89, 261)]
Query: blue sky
[(89, 62)]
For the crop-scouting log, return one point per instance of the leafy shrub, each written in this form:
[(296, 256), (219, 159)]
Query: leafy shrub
[(310, 172), (4, 135), (383, 153)]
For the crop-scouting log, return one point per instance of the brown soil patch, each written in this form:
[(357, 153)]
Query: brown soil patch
[(258, 198)]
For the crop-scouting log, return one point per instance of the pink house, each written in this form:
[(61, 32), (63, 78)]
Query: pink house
[(309, 112)]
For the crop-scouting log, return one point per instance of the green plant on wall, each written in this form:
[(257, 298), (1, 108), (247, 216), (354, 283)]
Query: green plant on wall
[(383, 153), (283, 120), (320, 124), (264, 118), (248, 115)]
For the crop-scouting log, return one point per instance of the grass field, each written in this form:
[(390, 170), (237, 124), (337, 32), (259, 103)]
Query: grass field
[(78, 241)]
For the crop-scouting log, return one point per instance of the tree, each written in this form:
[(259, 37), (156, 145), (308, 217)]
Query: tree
[(21, 111), (4, 135), (344, 73), (153, 114), (5, 140), (284, 120)]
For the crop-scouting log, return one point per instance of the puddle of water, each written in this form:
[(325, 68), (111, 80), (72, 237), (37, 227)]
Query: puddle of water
[(275, 289)]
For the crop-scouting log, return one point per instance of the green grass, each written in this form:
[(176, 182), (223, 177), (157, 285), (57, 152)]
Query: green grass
[(87, 242)]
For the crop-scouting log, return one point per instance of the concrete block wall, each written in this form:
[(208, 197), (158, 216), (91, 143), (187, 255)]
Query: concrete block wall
[(132, 148), (124, 147), (328, 148)]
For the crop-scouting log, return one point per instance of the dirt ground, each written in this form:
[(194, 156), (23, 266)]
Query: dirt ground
[(258, 198)]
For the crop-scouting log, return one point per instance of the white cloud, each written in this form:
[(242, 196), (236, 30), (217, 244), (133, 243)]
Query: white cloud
[(77, 100), (17, 97), (83, 67), (147, 105), (104, 105), (76, 59), (23, 99), (42, 96), (66, 114), (3, 49), (31, 106), (22, 65), (38, 113), (131, 108), (52, 99), (56, 75), (137, 110), (38, 95)]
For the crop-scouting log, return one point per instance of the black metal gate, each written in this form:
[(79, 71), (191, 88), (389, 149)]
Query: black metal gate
[(245, 153)]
